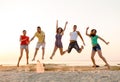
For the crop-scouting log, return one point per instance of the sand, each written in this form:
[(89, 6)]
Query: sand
[(59, 74)]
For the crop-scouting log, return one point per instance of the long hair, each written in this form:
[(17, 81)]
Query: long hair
[(57, 31), (91, 34)]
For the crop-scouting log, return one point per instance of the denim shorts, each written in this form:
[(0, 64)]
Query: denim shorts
[(96, 48)]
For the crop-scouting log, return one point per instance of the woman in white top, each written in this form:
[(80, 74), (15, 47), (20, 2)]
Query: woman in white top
[(73, 40)]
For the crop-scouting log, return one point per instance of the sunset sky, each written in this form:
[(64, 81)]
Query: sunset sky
[(17, 15)]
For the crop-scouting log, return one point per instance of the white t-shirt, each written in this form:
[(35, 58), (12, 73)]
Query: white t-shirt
[(73, 36)]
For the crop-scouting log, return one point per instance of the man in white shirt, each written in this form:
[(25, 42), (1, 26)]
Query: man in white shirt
[(73, 40)]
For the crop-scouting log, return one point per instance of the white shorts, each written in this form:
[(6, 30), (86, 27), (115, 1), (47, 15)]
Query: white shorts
[(40, 44), (24, 46)]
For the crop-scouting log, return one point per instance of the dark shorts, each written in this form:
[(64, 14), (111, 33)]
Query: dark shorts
[(75, 46), (96, 48)]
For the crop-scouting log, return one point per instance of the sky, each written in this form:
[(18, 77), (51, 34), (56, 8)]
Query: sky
[(17, 15)]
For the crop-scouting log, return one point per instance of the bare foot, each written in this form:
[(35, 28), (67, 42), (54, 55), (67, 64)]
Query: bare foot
[(33, 59), (107, 66), (96, 66), (82, 47), (17, 65), (51, 58)]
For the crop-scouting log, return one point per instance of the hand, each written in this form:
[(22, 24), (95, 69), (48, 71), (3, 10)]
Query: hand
[(87, 28), (83, 43), (107, 43), (66, 22)]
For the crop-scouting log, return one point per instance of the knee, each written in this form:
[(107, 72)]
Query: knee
[(27, 57), (101, 57), (20, 56)]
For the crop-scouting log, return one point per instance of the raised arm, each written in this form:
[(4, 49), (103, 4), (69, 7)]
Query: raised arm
[(56, 25), (87, 31), (81, 37), (103, 40), (65, 26)]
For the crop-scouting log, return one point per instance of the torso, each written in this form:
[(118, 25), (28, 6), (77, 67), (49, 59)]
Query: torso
[(58, 42), (94, 40), (40, 36), (26, 41), (73, 36)]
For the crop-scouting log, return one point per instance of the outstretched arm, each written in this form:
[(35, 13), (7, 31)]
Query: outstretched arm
[(81, 37), (103, 40), (87, 31), (32, 38)]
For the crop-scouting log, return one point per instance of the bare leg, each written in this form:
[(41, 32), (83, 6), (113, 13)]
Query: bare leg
[(92, 58), (27, 56), (100, 55), (55, 49), (43, 51), (21, 53), (36, 50), (62, 52)]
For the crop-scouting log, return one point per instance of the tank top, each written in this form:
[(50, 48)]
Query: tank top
[(73, 36)]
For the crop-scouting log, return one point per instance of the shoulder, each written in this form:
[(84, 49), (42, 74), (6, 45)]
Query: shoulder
[(71, 32), (78, 32), (27, 36), (97, 36), (42, 32), (21, 36), (36, 33)]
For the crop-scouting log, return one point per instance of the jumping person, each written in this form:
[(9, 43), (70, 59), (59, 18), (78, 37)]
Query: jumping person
[(58, 42), (73, 40), (41, 42)]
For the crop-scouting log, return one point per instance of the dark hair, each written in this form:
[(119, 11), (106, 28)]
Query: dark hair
[(24, 30), (92, 35), (75, 26), (57, 31), (39, 27)]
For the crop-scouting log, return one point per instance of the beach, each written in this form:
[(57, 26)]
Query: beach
[(59, 73)]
